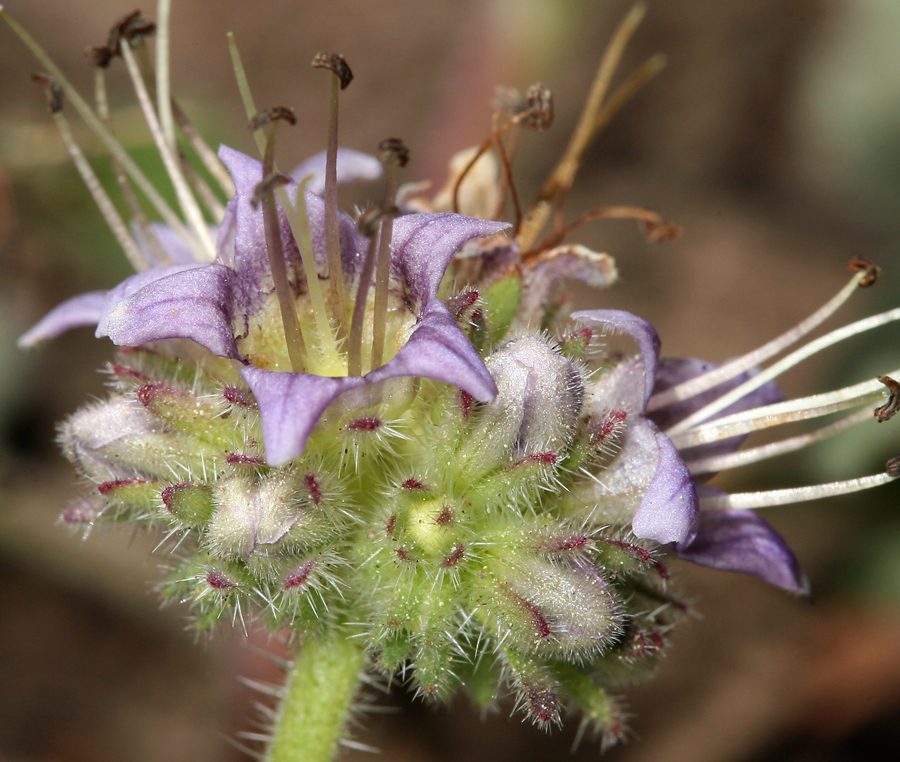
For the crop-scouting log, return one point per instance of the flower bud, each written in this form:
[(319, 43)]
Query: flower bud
[(252, 515), (537, 405)]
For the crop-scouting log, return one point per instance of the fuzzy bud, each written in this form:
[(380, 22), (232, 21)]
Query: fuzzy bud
[(537, 405)]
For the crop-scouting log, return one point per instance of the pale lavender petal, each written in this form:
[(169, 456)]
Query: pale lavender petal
[(617, 321), (84, 309), (225, 236), (570, 262), (290, 405), (647, 484), (673, 371), (424, 244), (668, 510), (172, 244), (131, 285), (439, 350), (741, 541), (351, 167), (194, 304), (251, 259)]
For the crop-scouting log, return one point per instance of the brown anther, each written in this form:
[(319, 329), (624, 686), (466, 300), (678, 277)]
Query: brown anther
[(892, 467), (336, 64), (540, 107), (393, 149), (858, 264), (889, 408), (98, 56), (269, 115), (129, 27), (267, 187), (54, 91)]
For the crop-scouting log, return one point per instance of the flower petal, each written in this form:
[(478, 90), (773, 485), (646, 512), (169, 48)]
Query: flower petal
[(673, 371), (172, 244), (194, 303), (251, 259), (290, 405), (742, 541), (439, 350), (84, 309), (668, 510), (617, 321), (569, 262), (423, 245), (351, 166), (646, 483)]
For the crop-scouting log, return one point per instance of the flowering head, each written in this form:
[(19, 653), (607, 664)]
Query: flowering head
[(391, 437)]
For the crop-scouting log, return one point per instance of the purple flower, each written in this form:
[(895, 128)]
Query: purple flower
[(225, 307), (647, 478), (729, 540), (92, 307)]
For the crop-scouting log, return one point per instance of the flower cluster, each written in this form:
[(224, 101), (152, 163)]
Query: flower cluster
[(390, 436)]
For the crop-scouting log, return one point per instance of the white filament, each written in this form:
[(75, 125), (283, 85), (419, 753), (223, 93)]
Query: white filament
[(752, 500), (163, 99), (186, 200), (800, 409), (739, 365), (780, 367), (717, 463), (107, 208)]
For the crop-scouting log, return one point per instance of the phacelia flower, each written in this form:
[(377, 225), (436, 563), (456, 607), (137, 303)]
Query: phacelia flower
[(390, 437)]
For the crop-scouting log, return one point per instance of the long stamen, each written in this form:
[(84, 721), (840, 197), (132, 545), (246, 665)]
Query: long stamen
[(163, 99), (394, 155), (240, 74), (800, 409), (100, 58), (186, 200), (106, 206), (196, 181), (297, 218), (717, 463), (206, 155), (274, 244), (729, 370), (112, 145), (341, 77), (780, 367), (769, 498)]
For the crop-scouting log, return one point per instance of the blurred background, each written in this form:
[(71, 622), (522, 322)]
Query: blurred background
[(772, 138)]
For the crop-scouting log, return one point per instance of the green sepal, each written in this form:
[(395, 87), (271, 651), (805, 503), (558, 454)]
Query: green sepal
[(191, 504), (501, 305), (394, 650), (129, 498)]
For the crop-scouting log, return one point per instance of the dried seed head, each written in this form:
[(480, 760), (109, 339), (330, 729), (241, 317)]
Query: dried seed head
[(335, 63)]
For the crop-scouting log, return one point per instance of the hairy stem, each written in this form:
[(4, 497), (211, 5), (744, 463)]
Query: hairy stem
[(321, 685)]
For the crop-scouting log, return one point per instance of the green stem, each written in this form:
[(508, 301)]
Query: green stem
[(320, 690)]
